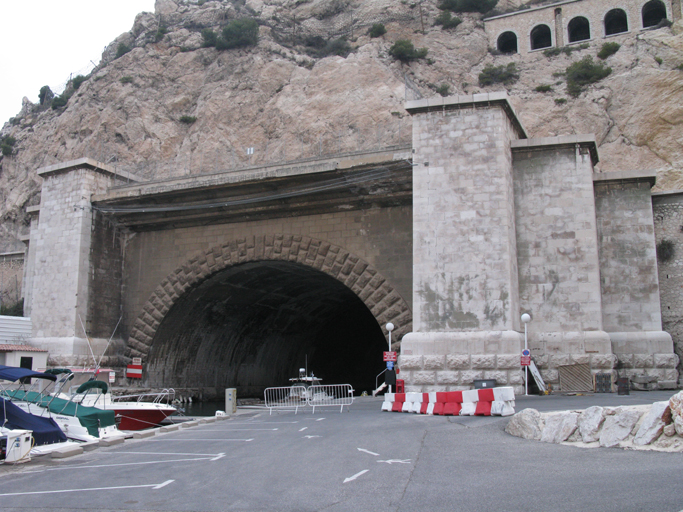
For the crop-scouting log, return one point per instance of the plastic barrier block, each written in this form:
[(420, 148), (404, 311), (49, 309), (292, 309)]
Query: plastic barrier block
[(504, 394), (389, 397), (438, 408), (452, 409), (471, 395), (413, 397), (397, 407), (486, 395), (407, 407), (399, 397), (468, 408), (386, 406), (483, 408), (432, 397), (454, 397), (502, 408), (424, 407), (417, 406), (441, 397)]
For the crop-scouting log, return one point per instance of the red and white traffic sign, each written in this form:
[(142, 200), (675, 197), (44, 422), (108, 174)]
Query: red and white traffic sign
[(526, 360), (134, 371), (390, 356)]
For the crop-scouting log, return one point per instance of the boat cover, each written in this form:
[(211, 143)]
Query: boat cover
[(92, 384), (45, 430), (12, 373), (91, 418)]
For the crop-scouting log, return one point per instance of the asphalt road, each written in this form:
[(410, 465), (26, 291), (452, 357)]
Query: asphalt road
[(362, 460)]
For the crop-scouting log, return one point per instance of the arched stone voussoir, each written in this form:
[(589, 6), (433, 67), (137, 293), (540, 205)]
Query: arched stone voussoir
[(385, 303)]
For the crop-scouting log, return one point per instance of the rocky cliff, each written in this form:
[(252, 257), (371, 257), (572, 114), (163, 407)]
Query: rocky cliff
[(171, 107)]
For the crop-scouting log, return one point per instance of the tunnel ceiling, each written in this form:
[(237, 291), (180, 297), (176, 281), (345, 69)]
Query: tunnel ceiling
[(253, 325)]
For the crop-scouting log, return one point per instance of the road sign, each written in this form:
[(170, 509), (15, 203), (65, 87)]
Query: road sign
[(390, 356), (526, 360), (390, 365), (526, 352)]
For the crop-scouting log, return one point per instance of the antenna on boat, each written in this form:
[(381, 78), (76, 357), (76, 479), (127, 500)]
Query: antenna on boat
[(94, 360), (306, 365), (110, 338)]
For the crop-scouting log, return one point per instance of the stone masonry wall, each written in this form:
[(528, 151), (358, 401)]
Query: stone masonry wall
[(559, 277), (11, 275), (668, 220), (523, 22), (382, 237)]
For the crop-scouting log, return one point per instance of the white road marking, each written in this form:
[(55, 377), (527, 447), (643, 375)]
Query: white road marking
[(302, 429), (121, 464), (368, 451), (311, 437), (203, 439), (320, 419), (247, 430), (219, 456), (361, 473), (162, 453), (153, 486), (395, 461)]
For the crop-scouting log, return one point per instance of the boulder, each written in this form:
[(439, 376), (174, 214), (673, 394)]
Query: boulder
[(676, 405), (678, 425), (526, 424), (558, 427), (669, 430), (590, 422), (618, 427), (652, 425)]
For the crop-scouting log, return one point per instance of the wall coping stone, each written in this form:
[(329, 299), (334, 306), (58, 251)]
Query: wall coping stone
[(626, 176), (668, 193), (87, 163), (462, 101), (532, 9), (585, 140)]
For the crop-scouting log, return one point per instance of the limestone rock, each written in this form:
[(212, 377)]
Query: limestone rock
[(676, 404), (669, 430), (527, 424), (618, 427), (558, 427), (652, 424), (678, 425), (589, 423)]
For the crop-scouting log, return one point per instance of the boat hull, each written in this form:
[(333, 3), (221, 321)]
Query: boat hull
[(140, 419)]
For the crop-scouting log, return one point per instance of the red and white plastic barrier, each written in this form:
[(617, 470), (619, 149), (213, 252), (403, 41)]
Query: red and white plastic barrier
[(472, 402)]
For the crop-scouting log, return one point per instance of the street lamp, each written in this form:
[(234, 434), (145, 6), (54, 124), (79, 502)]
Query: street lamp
[(390, 327), (525, 320)]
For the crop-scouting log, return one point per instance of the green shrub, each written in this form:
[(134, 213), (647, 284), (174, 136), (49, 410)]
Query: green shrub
[(552, 52), (404, 51), (447, 21), (664, 23), (583, 73), (209, 38), (608, 49), (336, 47), (78, 80), (481, 6), (60, 101), (160, 33), (567, 50), (443, 89), (543, 88), (505, 75), (665, 250), (238, 34), (122, 49), (7, 145), (377, 30), (560, 101), (45, 95), (126, 80), (679, 67), (658, 60), (16, 309), (187, 119)]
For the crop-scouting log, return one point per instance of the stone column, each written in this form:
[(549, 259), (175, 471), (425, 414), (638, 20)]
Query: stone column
[(559, 30), (61, 248), (465, 282)]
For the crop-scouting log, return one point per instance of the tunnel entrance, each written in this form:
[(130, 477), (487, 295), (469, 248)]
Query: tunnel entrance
[(253, 325)]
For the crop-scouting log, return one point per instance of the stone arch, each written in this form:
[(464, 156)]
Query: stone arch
[(578, 29), (540, 37), (507, 42), (652, 13), (383, 301), (616, 22)]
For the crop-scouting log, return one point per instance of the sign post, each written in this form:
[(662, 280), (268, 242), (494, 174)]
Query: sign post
[(392, 359), (526, 355)]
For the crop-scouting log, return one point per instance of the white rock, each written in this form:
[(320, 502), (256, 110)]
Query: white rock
[(558, 427), (669, 430), (652, 424), (590, 422), (678, 425), (618, 427), (676, 404), (527, 424)]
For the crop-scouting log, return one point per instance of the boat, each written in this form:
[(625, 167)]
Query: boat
[(132, 412), (78, 422)]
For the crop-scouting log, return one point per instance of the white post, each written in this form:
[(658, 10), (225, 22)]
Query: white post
[(526, 318), (390, 327)]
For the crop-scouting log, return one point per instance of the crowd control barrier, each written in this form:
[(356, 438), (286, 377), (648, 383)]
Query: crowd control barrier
[(294, 397), (473, 402)]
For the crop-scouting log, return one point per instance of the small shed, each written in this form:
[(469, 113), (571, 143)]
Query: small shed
[(24, 356)]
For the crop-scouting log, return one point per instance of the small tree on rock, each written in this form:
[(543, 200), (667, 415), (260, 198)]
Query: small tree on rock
[(404, 51)]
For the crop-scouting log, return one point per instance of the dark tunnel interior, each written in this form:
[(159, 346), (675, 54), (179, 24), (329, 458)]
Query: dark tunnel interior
[(252, 326)]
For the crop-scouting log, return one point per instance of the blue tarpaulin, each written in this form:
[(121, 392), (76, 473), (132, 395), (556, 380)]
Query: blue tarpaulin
[(45, 430), (12, 373)]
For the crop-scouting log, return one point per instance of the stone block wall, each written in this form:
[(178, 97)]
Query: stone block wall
[(668, 221), (11, 277)]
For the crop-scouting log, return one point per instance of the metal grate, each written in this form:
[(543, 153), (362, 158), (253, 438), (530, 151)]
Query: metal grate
[(575, 377), (603, 382)]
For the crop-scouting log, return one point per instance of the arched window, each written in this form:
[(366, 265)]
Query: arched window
[(541, 37), (579, 29), (653, 12), (615, 22), (507, 42)]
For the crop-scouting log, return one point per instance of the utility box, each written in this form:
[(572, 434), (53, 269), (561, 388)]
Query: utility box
[(230, 401), (15, 446)]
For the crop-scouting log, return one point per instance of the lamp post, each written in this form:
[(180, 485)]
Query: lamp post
[(390, 327), (525, 320)]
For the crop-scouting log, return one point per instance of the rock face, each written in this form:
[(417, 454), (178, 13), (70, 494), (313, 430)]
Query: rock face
[(526, 424), (618, 427), (590, 422), (287, 100), (652, 425), (559, 427)]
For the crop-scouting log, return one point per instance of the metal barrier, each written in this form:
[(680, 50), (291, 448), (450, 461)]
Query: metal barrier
[(290, 397), (293, 397), (330, 395)]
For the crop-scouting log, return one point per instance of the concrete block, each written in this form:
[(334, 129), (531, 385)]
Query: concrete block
[(66, 452), (458, 361), (483, 361), (410, 362), (169, 428), (111, 441), (142, 434), (448, 377), (665, 360), (90, 445), (189, 424), (434, 362), (211, 419)]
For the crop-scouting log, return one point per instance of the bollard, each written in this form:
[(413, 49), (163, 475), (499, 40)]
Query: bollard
[(230, 401)]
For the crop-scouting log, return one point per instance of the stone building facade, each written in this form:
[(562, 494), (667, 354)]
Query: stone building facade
[(567, 22)]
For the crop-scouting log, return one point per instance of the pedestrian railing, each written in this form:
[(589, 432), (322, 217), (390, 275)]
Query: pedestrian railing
[(294, 397)]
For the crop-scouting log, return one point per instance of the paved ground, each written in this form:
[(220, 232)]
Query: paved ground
[(362, 460)]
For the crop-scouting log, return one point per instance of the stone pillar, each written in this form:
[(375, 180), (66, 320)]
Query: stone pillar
[(60, 250), (465, 282), (30, 262), (559, 29)]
